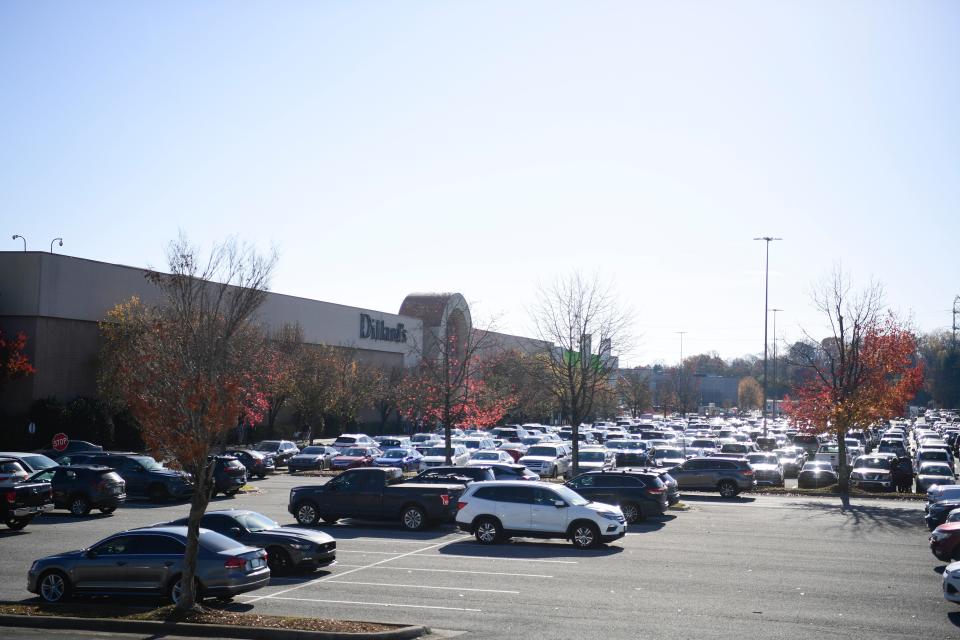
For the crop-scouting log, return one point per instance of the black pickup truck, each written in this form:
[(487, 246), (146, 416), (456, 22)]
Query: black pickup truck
[(375, 494), (22, 501)]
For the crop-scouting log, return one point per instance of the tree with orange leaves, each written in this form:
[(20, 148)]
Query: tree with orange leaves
[(185, 367), (866, 371), (14, 363)]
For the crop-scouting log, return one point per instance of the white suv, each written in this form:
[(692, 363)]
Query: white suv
[(495, 511), (546, 460)]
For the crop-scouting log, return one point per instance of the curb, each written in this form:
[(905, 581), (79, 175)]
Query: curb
[(198, 630)]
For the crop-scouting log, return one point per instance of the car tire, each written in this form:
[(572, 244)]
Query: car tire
[(413, 518), (728, 489), (79, 506), (173, 590), (279, 561), (107, 510), (632, 512), (584, 535), (306, 513), (488, 531), (157, 493), (54, 586), (16, 524)]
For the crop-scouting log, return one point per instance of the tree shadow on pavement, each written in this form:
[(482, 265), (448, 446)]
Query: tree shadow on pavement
[(349, 529), (520, 549), (871, 516)]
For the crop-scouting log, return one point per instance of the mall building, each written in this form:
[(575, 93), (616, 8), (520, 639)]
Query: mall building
[(58, 301)]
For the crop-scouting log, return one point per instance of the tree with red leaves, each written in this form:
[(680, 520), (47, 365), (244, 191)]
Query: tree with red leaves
[(186, 367), (14, 363), (866, 371)]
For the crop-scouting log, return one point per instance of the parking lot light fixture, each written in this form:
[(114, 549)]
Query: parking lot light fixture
[(766, 313)]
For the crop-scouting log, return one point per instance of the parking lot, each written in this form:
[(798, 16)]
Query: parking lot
[(756, 566)]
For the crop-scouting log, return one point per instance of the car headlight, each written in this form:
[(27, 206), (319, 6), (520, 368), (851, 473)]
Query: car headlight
[(609, 516), (302, 546), (955, 574)]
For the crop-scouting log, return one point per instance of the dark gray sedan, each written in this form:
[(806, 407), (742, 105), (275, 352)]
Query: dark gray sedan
[(150, 562), (312, 458), (288, 548)]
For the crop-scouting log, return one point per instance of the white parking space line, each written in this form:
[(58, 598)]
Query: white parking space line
[(338, 575), (420, 586), (444, 555), (382, 541), (479, 573), (375, 553), (375, 604)]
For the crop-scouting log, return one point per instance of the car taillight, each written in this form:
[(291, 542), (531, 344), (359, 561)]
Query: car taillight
[(461, 504), (11, 496), (235, 563), (655, 490), (445, 499), (748, 472)]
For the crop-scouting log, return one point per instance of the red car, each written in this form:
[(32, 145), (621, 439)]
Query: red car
[(355, 457), (945, 541)]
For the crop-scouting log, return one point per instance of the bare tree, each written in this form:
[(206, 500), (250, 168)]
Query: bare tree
[(633, 386), (583, 319)]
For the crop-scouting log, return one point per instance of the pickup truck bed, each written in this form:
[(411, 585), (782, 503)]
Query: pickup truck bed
[(22, 501)]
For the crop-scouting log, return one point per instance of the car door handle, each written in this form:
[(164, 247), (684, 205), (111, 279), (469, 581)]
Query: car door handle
[(121, 563)]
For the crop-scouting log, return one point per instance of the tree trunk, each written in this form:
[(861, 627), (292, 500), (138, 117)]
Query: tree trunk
[(203, 478), (843, 469)]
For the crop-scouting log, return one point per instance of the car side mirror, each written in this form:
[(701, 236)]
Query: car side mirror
[(235, 530), (559, 504)]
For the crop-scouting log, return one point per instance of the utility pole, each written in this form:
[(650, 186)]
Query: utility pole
[(956, 312), (775, 357), (680, 393), (766, 313)]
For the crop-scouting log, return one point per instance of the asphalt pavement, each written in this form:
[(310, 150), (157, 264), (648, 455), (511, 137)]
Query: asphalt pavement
[(754, 567)]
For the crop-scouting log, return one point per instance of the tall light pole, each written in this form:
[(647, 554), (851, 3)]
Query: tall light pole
[(775, 357), (54, 240), (681, 395), (766, 313), (17, 235)]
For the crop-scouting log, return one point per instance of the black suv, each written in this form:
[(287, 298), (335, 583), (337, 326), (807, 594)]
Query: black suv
[(81, 488), (258, 463), (456, 475), (638, 494), (145, 477), (229, 476)]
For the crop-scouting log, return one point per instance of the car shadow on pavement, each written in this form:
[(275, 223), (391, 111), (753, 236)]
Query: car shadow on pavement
[(349, 529), (868, 515), (954, 617), (521, 549), (652, 523), (299, 577), (699, 497), (64, 517)]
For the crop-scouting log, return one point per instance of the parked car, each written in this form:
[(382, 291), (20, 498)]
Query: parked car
[(355, 457), (873, 473), (487, 456), (931, 455), (945, 541), (22, 501), (668, 457), (639, 495), (940, 492), (288, 548), (937, 513), (516, 450), (737, 448), (455, 475), (512, 472), (12, 471), (393, 442), (791, 459), (931, 473), (496, 511), (384, 497), (729, 476), (595, 458), (437, 456), (224, 568), (229, 476), (407, 459), (73, 446), (807, 442), (547, 460), (766, 469), (257, 463), (816, 474), (951, 582), (80, 488), (145, 477), (31, 462), (351, 440), (281, 450), (312, 458)]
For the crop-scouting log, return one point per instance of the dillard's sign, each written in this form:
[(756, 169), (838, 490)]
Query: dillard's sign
[(378, 330)]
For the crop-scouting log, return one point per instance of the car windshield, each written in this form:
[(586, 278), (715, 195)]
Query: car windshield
[(591, 456), (531, 440), (763, 459), (935, 454), (569, 495), (39, 461), (471, 444), (817, 466), (147, 463), (356, 452), (703, 444), (268, 445), (667, 453), (257, 522), (542, 451), (872, 463), (312, 451), (486, 455), (935, 470), (438, 451), (396, 453)]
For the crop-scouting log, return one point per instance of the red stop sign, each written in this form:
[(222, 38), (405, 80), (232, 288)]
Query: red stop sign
[(60, 441)]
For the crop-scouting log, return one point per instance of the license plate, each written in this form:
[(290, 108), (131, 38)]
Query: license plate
[(115, 490), (256, 563)]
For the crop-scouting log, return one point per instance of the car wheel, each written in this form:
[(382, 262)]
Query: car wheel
[(553, 472), (632, 512), (17, 524), (107, 510), (157, 493), (175, 591), (54, 586), (488, 531), (585, 535), (413, 518), (278, 560), (307, 513), (79, 506), (727, 488)]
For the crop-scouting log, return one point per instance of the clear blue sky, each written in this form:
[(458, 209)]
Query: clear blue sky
[(485, 147)]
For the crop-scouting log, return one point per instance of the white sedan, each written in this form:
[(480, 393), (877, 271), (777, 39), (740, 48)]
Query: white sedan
[(490, 457)]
